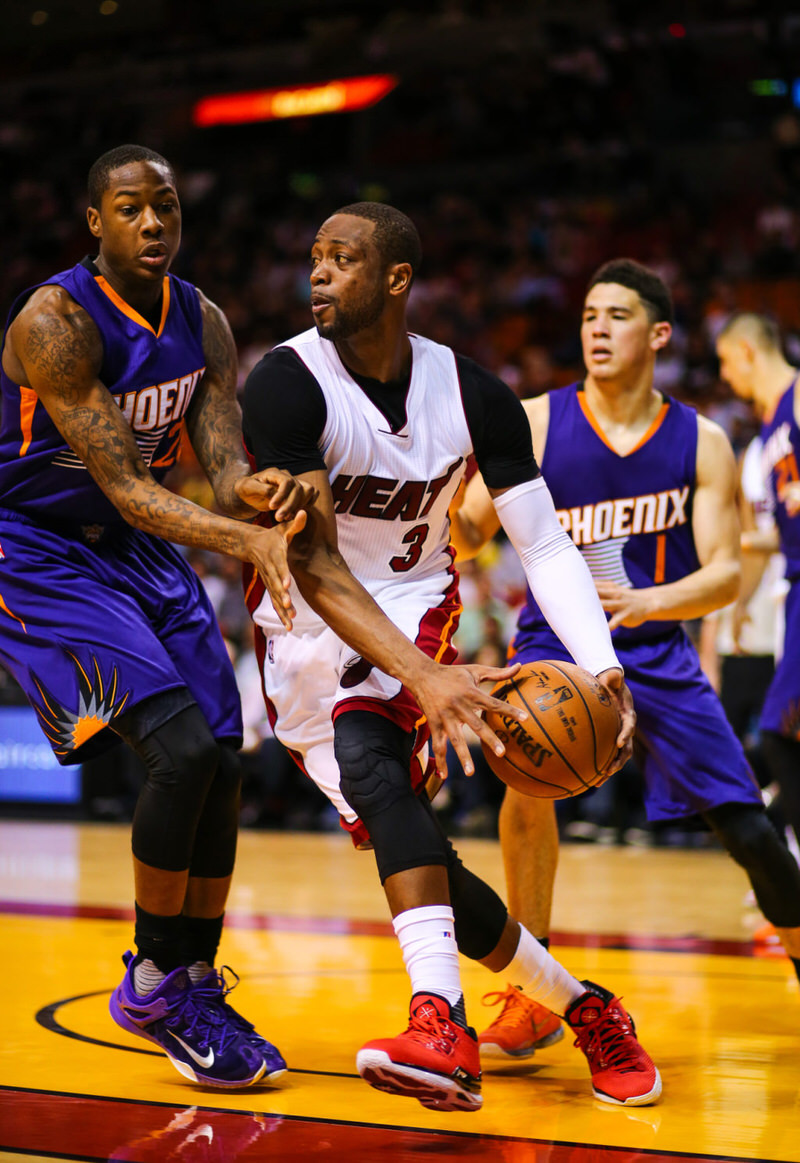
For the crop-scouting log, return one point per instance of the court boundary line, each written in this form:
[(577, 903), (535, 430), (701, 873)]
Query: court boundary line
[(339, 926), (45, 1017)]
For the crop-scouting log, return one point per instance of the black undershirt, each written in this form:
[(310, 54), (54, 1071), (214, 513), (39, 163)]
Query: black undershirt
[(285, 413)]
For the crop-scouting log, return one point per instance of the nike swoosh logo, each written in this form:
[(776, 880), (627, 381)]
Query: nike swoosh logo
[(399, 435), (205, 1132), (205, 1061)]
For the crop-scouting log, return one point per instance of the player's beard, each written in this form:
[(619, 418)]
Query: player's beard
[(355, 317)]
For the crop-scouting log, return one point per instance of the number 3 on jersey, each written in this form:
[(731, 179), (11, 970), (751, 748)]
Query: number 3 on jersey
[(414, 539)]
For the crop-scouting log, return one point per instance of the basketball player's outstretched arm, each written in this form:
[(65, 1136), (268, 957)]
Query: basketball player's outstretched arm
[(559, 579), (449, 696), (55, 348), (715, 527)]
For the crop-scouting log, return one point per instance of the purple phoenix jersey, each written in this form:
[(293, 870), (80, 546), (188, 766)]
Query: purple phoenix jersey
[(780, 458), (95, 616), (630, 515), (151, 374)]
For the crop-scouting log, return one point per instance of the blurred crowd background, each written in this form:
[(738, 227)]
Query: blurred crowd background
[(529, 141)]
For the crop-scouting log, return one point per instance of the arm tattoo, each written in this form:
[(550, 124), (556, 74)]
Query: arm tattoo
[(61, 352), (214, 420), (103, 439), (63, 349)]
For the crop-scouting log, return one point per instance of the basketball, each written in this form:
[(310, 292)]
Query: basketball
[(566, 741)]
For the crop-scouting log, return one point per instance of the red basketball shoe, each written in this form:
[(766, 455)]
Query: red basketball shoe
[(622, 1070), (521, 1028), (435, 1060)]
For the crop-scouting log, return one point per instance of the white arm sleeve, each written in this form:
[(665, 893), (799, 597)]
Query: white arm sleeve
[(557, 574)]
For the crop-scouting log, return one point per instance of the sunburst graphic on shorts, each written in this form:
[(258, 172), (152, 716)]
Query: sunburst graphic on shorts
[(97, 705)]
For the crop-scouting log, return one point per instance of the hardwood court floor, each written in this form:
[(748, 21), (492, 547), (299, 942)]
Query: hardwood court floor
[(321, 973)]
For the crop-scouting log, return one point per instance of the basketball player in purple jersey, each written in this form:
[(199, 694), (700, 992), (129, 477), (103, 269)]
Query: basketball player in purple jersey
[(752, 362), (381, 423), (646, 489), (102, 623)]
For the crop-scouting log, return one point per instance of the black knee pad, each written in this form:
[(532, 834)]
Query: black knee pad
[(215, 840), (373, 755), (748, 834), (181, 757), (478, 912), (480, 915)]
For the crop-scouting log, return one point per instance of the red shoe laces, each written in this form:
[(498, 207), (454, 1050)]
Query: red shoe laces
[(429, 1027), (610, 1041)]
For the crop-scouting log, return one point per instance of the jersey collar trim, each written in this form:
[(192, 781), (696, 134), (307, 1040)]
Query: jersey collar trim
[(126, 308), (649, 434)]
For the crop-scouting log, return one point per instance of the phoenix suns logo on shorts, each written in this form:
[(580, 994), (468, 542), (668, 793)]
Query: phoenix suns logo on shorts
[(97, 704)]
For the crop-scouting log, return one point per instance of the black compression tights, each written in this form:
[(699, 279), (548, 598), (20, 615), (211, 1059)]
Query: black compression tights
[(187, 812), (783, 761), (373, 756), (747, 833)]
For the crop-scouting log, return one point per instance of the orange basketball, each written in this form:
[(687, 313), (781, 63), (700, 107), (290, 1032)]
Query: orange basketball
[(566, 741)]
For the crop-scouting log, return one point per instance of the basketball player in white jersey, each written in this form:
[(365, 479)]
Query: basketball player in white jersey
[(382, 422)]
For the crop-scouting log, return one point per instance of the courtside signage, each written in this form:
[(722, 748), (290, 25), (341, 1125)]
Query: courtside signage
[(29, 771)]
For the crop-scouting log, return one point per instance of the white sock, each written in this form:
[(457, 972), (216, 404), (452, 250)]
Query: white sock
[(540, 976), (198, 970), (147, 977), (430, 953)]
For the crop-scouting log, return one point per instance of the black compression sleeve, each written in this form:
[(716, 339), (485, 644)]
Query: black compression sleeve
[(501, 434), (283, 413)]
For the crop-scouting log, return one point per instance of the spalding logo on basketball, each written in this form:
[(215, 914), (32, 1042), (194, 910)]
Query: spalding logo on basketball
[(568, 738)]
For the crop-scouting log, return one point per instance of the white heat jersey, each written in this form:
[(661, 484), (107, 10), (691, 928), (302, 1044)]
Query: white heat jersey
[(391, 490)]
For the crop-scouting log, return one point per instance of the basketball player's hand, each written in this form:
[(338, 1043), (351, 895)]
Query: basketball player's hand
[(789, 495), (627, 607), (275, 490), (268, 550), (451, 698), (617, 688)]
